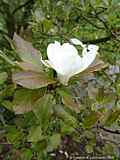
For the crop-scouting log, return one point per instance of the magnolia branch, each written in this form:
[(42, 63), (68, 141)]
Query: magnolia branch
[(100, 40), (21, 6), (110, 130), (109, 31)]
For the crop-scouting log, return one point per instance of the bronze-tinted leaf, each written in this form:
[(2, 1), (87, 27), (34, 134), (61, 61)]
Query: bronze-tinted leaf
[(26, 51), (68, 119), (28, 66), (68, 101), (96, 66), (32, 80)]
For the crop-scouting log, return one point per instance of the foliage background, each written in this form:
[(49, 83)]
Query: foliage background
[(37, 134)]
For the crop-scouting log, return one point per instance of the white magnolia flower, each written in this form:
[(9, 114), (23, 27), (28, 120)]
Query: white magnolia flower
[(66, 61)]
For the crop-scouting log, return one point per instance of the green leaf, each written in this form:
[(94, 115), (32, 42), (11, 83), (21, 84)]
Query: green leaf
[(111, 117), (65, 116), (109, 149), (54, 142), (8, 91), (14, 135), (32, 80), (6, 59), (118, 87), (89, 134), (35, 134), (7, 104), (26, 51), (43, 110), (91, 119), (89, 148), (24, 100), (68, 100), (66, 128), (26, 154), (47, 24), (3, 77)]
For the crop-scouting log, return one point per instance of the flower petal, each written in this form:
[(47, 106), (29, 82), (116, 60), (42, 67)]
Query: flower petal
[(77, 42), (54, 55), (69, 49), (93, 48), (64, 59), (70, 59), (63, 79), (89, 54)]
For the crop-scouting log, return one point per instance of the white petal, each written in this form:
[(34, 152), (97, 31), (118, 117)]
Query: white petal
[(64, 59), (54, 52), (77, 42), (69, 50), (63, 79), (93, 48), (47, 63), (70, 59), (89, 54)]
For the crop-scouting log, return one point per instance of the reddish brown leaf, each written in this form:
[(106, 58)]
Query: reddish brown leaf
[(28, 66), (96, 66), (32, 80), (68, 100), (26, 51)]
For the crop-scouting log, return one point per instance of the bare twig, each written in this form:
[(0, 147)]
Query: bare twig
[(21, 6), (88, 20), (96, 15), (110, 130)]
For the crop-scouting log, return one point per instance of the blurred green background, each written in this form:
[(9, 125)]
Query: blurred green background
[(44, 21)]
